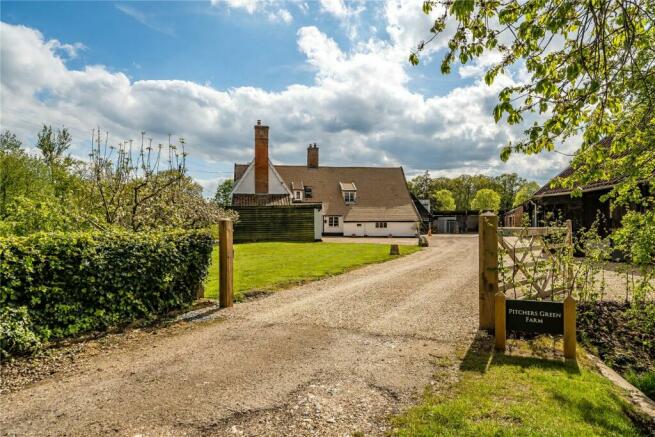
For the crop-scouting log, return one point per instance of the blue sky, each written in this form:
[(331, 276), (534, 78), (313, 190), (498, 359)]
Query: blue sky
[(328, 71)]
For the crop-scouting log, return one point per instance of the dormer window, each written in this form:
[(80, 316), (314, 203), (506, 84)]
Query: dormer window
[(349, 191), (297, 195)]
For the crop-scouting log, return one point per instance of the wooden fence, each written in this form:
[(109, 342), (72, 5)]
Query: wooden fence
[(524, 263)]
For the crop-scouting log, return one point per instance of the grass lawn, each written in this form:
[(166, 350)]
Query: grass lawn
[(272, 266), (500, 395)]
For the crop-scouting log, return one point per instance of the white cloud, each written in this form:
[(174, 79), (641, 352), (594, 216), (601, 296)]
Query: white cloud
[(282, 15), (145, 19), (360, 109), (348, 16), (274, 10)]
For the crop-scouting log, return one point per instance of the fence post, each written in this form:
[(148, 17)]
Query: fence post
[(226, 264), (488, 277), (569, 248), (499, 332), (569, 328)]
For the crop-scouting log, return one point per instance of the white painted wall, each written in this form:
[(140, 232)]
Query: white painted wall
[(247, 182), (396, 229), (318, 224), (327, 229)]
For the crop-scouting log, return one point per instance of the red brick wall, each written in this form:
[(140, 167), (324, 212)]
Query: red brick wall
[(261, 158)]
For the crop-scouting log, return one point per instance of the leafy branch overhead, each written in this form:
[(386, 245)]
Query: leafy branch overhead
[(591, 68)]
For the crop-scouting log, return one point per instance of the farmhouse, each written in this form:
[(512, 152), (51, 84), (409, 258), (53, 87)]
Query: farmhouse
[(350, 201)]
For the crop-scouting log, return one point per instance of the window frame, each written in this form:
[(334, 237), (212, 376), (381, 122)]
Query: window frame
[(333, 221), (381, 225), (348, 194)]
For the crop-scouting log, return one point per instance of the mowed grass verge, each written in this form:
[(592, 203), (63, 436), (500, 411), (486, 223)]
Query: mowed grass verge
[(503, 395), (272, 266)]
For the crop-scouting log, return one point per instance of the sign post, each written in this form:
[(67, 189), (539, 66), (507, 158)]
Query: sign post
[(541, 317)]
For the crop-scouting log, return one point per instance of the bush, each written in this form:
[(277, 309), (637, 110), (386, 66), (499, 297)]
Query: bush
[(78, 282), (16, 335)]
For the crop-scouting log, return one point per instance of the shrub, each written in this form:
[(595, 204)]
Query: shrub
[(16, 335), (78, 282)]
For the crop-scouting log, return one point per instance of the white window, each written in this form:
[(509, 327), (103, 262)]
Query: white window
[(298, 195), (381, 224), (349, 196), (333, 221)]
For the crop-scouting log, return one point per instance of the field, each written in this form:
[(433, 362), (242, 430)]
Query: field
[(271, 266)]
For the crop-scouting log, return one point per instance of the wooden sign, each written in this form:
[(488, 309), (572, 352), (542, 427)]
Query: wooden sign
[(540, 317)]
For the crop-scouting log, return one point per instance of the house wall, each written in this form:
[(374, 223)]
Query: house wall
[(368, 229), (332, 229), (247, 183)]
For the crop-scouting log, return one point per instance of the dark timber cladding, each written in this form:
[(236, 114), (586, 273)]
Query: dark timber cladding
[(274, 223)]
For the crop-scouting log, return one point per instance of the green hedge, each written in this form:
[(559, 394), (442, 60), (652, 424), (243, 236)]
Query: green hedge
[(78, 282)]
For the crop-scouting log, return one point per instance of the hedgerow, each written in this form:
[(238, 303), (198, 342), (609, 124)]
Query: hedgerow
[(72, 283)]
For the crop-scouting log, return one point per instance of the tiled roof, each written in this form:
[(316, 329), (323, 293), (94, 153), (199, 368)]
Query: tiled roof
[(382, 193)]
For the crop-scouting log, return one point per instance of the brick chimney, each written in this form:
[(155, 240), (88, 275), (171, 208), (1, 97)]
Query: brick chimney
[(312, 156), (261, 158)]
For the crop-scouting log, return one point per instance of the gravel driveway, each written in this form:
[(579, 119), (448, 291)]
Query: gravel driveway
[(328, 358)]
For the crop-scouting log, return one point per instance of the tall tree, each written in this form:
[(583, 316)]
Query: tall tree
[(525, 193), (53, 145), (421, 186), (222, 196), (591, 68), (486, 200), (508, 184), (444, 201)]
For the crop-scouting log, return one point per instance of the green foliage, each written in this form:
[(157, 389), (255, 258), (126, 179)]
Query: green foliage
[(222, 196), (525, 193), (20, 175), (444, 200), (53, 145), (16, 334), (77, 282), (643, 381), (26, 216), (636, 237), (464, 187), (592, 74), (486, 200)]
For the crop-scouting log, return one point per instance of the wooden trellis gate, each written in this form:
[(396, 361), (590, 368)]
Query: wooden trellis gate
[(528, 264)]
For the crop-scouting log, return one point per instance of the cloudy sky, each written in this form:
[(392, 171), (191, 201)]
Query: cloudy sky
[(330, 72)]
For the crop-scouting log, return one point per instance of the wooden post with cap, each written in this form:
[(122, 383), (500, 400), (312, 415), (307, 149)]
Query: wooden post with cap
[(488, 268), (226, 264), (570, 341)]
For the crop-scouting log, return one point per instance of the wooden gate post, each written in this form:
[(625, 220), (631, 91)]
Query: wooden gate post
[(569, 328), (226, 264), (500, 333), (488, 277)]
